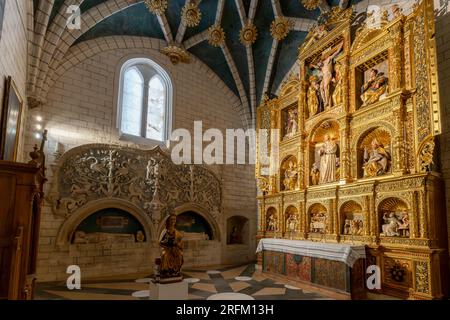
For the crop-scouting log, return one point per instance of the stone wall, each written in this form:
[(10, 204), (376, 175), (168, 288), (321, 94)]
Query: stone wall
[(443, 57), (81, 109)]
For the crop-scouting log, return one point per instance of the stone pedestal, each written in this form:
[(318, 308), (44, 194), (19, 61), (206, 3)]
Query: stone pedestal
[(169, 291)]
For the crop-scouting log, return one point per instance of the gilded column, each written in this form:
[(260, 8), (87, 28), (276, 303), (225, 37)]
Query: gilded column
[(400, 163), (396, 57), (413, 230), (367, 215), (374, 230), (274, 140), (303, 172), (346, 74), (335, 216), (344, 133), (423, 205)]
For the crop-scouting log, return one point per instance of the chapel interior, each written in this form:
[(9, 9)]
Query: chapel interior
[(115, 183)]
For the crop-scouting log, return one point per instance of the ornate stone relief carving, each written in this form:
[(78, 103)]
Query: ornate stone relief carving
[(148, 179)]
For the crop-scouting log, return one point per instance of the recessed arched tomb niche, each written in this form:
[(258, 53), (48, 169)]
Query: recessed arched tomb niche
[(237, 230), (271, 220), (109, 226), (289, 174), (318, 216), (292, 220), (352, 219), (394, 218), (324, 154), (194, 226), (374, 154)]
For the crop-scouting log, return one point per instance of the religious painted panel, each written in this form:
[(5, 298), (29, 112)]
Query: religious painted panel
[(298, 267)]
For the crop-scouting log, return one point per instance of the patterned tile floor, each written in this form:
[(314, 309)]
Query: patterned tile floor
[(205, 284)]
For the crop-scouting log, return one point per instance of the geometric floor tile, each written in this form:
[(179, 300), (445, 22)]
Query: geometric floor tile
[(239, 285), (238, 282), (208, 287), (270, 292), (230, 296), (141, 294), (191, 280)]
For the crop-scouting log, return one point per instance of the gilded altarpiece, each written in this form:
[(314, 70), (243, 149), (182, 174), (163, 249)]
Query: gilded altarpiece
[(356, 138)]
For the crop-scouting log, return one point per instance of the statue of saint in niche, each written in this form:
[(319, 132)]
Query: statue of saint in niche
[(315, 103), (374, 88), (326, 71), (171, 252), (271, 223), (291, 123), (376, 161), (318, 223), (290, 177), (292, 223), (396, 224), (328, 160)]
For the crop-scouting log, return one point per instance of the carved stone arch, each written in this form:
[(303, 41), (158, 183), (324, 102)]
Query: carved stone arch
[(68, 227), (200, 211)]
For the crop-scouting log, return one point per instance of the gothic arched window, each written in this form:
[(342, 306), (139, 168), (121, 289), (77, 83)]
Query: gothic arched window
[(145, 98)]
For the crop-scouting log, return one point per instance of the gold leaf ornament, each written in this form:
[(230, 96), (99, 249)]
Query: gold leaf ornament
[(280, 28), (248, 34), (191, 14), (157, 7), (311, 4), (216, 36)]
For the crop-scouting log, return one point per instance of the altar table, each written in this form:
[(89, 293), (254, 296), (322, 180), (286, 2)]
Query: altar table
[(338, 268)]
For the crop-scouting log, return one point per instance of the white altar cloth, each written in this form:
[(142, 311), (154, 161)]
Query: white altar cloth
[(332, 251)]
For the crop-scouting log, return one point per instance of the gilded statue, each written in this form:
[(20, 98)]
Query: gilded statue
[(395, 224), (315, 175), (326, 70), (374, 88), (171, 252), (292, 223), (315, 103), (337, 80), (377, 161), (290, 177), (318, 223), (291, 123), (328, 160), (271, 223)]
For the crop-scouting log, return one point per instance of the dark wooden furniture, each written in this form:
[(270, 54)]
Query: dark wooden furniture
[(21, 196)]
